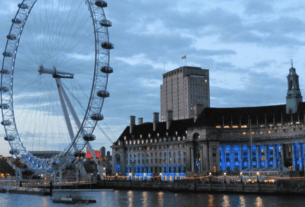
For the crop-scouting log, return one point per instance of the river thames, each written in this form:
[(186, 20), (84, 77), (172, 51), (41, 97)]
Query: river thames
[(133, 198)]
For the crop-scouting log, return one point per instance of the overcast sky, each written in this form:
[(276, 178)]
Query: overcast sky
[(246, 44)]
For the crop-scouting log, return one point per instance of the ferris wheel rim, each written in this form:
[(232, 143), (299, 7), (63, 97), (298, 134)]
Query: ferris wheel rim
[(7, 104)]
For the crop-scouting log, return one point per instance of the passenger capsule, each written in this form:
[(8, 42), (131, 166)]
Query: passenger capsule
[(11, 37), (97, 117), (7, 54), (105, 23), (101, 3), (5, 71), (4, 106), (6, 123), (23, 6), (16, 21), (103, 94), (14, 151), (79, 154), (89, 137), (107, 45), (106, 69), (4, 89), (9, 138)]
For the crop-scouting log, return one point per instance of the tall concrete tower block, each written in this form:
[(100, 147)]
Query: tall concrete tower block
[(182, 89), (294, 96)]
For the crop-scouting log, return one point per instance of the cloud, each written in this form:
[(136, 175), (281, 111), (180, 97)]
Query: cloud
[(258, 7), (260, 89)]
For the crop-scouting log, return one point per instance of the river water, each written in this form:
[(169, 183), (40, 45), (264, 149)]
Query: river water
[(132, 198)]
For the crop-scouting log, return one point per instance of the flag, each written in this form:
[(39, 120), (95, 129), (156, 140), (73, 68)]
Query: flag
[(184, 57)]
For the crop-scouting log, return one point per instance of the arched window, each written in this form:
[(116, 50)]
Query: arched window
[(196, 136)]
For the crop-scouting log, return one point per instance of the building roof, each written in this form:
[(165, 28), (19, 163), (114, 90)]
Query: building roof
[(179, 126), (211, 117), (259, 114)]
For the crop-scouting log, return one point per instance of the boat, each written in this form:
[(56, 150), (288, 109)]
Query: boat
[(3, 190), (73, 200)]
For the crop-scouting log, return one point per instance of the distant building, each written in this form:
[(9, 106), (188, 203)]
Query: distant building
[(103, 151), (182, 89), (268, 139)]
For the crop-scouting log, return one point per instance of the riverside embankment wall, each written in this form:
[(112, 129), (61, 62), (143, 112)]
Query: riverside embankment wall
[(281, 186)]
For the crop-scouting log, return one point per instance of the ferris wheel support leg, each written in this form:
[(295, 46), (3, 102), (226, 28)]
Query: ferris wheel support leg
[(98, 166), (75, 117), (71, 108), (64, 108), (60, 174)]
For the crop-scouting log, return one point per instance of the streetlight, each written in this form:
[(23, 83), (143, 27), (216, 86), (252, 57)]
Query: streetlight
[(257, 177), (224, 174), (241, 177)]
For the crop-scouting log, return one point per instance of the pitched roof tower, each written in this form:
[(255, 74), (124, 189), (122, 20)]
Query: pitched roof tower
[(294, 96)]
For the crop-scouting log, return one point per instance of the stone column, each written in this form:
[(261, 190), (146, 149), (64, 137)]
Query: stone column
[(249, 157), (274, 156), (205, 157), (303, 157), (282, 157), (300, 156), (210, 157), (293, 157), (200, 156), (218, 159), (192, 160), (257, 156), (266, 157), (188, 157), (240, 158)]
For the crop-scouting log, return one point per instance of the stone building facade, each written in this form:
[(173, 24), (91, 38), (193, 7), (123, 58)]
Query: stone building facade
[(216, 140)]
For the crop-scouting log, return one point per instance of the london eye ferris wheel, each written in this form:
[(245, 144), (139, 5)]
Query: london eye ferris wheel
[(54, 79)]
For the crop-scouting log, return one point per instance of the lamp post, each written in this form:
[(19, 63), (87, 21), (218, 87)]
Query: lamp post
[(225, 180), (241, 177), (257, 177)]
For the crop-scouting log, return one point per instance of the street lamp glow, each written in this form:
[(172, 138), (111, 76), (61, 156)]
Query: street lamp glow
[(224, 174)]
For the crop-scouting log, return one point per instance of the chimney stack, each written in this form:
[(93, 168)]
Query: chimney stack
[(132, 123), (156, 120), (169, 118), (198, 109), (140, 121)]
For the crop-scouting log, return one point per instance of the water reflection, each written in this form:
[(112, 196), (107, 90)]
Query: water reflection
[(130, 198), (259, 201), (226, 201), (160, 198), (211, 200), (145, 198), (242, 201), (44, 201)]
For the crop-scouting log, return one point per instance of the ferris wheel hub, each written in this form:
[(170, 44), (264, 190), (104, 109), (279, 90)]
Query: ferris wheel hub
[(55, 73)]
